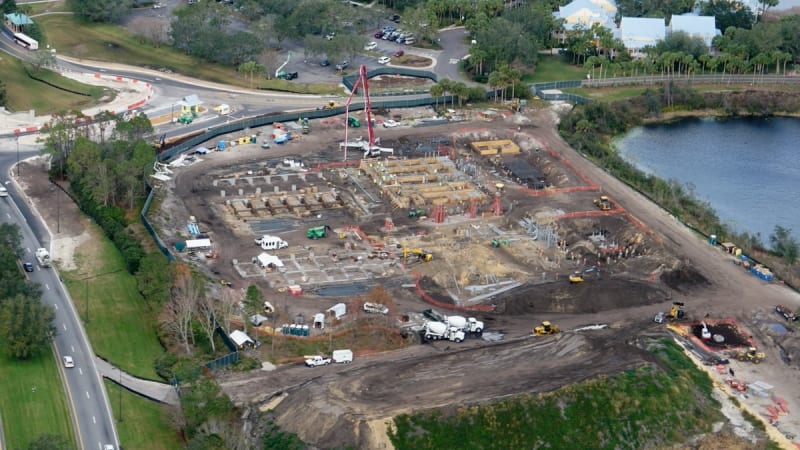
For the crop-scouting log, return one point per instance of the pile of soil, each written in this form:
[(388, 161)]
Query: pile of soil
[(684, 279), (591, 296)]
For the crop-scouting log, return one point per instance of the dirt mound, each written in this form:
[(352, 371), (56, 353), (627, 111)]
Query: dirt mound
[(684, 278), (589, 297)]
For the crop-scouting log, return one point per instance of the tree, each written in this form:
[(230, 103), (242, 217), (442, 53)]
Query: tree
[(784, 244), (3, 94), (49, 442), (153, 279), (101, 10), (253, 302), (26, 326), (176, 316), (206, 314), (249, 68), (8, 6)]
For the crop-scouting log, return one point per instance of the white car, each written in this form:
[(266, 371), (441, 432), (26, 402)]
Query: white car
[(68, 362), (371, 46), (384, 60), (390, 124)]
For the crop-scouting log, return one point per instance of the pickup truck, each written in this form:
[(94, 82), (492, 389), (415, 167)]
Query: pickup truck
[(317, 360)]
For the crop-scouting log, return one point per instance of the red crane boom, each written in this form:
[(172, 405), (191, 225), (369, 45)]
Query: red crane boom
[(361, 80)]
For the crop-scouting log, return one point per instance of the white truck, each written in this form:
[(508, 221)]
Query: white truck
[(43, 256), (317, 360), (438, 330), (467, 325), (268, 242), (342, 356), (375, 308)]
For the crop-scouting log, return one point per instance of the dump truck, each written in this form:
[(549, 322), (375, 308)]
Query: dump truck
[(43, 256), (751, 354), (440, 331), (545, 328), (317, 232), (603, 203), (421, 255)]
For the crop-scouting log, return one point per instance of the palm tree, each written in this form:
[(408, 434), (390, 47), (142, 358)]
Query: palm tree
[(249, 68), (436, 92), (494, 82), (704, 59)]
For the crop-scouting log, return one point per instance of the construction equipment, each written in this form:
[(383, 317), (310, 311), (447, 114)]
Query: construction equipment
[(331, 105), (186, 118), (43, 256), (421, 255), (496, 243), (603, 203), (676, 312), (369, 147), (317, 232), (419, 212), (575, 278), (467, 325), (438, 330), (304, 124), (353, 122), (787, 313), (751, 354), (545, 328)]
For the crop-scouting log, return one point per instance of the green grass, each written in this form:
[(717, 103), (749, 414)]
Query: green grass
[(54, 79), (145, 423), (105, 42), (32, 400), (652, 406), (625, 92), (25, 93), (555, 68), (120, 327)]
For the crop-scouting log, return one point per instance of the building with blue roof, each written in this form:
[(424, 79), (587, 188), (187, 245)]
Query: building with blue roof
[(16, 22)]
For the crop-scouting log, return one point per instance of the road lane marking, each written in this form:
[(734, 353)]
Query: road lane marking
[(65, 326), (80, 371), (87, 394), (47, 286), (55, 306), (73, 348), (94, 420), (8, 215)]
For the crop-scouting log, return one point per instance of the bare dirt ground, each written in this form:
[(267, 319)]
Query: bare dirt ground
[(350, 405)]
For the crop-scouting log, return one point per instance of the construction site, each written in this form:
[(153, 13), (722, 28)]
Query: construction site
[(496, 222)]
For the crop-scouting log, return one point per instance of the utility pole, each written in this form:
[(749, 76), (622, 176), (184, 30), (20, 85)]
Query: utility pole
[(17, 156)]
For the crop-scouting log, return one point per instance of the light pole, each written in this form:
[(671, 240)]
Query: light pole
[(91, 277), (17, 156)]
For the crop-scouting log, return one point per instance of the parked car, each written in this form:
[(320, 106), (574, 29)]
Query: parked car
[(379, 35), (287, 75), (410, 41), (68, 362), (330, 36), (398, 53), (343, 65), (396, 18), (371, 46), (384, 60), (390, 124), (325, 63), (659, 318), (27, 266)]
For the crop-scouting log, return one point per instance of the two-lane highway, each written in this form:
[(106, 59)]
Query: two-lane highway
[(84, 387)]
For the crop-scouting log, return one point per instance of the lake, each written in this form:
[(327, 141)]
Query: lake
[(748, 169)]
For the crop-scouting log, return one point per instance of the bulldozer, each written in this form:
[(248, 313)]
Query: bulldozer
[(603, 203), (545, 328), (676, 312), (421, 255), (751, 354)]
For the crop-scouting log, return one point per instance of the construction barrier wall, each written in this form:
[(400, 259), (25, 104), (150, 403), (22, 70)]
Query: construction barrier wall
[(150, 230), (350, 80)]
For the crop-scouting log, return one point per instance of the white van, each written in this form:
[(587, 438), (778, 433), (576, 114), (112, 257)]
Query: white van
[(271, 242), (3, 192), (343, 356)]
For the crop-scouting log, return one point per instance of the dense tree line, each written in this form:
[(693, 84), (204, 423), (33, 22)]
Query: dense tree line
[(112, 11), (26, 324)]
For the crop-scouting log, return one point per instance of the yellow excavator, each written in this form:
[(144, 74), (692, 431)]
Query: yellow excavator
[(751, 354), (545, 328), (421, 255), (576, 278)]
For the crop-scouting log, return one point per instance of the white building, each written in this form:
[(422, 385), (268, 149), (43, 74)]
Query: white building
[(637, 33), (585, 13), (704, 27)]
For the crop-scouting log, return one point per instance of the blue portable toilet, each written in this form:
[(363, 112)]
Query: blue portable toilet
[(305, 330), (712, 239), (221, 145)]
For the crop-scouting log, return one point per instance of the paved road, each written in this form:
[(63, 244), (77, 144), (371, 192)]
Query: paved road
[(86, 394)]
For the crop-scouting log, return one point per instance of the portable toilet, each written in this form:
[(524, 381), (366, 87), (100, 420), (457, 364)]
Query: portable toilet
[(221, 145), (285, 328), (293, 330), (712, 239), (305, 330), (253, 138)]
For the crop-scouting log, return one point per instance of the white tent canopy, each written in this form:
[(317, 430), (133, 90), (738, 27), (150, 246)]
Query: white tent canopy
[(241, 338)]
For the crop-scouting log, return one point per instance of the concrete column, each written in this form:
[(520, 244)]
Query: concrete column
[(241, 192), (222, 193), (276, 189), (214, 183), (258, 191), (294, 188)]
